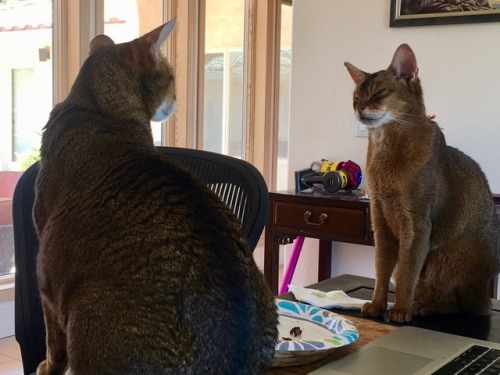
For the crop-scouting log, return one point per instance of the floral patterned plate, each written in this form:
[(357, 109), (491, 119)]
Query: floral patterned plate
[(320, 331)]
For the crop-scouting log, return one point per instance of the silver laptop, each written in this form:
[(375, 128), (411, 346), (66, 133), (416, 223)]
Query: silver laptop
[(407, 350)]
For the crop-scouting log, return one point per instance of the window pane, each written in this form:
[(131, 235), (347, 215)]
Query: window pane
[(25, 101), (223, 90), (284, 96), (214, 93), (125, 20)]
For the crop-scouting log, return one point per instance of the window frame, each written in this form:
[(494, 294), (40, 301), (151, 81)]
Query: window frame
[(81, 20), (262, 45)]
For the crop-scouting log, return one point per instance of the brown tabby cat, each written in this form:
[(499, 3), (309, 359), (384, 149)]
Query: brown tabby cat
[(142, 269), (432, 210)]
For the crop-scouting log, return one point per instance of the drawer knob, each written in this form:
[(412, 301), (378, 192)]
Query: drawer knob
[(322, 218)]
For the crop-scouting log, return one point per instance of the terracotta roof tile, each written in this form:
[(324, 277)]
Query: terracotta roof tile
[(31, 15)]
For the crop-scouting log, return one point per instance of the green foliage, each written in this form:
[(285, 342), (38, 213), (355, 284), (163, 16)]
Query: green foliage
[(27, 158)]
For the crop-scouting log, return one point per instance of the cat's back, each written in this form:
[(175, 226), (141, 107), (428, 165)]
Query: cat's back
[(467, 190), (145, 245)]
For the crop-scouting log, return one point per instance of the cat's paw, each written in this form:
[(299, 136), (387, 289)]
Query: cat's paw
[(372, 309), (400, 315), (45, 369), (42, 368)]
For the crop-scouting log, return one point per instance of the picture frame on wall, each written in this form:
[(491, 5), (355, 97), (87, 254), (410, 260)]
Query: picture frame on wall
[(443, 12)]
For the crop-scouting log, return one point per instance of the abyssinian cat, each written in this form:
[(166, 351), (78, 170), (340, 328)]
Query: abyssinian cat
[(431, 207), (142, 269)]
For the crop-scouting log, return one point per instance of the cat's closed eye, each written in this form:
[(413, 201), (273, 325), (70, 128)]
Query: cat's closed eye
[(379, 95)]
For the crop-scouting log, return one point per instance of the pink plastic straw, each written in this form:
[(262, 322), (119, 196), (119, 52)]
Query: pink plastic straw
[(290, 268)]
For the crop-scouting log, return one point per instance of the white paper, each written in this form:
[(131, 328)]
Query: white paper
[(327, 300)]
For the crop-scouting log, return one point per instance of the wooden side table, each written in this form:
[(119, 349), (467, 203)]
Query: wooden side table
[(342, 217)]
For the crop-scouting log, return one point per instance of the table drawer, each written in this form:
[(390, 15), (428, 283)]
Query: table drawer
[(332, 220)]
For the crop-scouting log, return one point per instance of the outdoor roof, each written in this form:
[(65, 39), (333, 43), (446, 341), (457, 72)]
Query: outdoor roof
[(25, 15), (31, 15)]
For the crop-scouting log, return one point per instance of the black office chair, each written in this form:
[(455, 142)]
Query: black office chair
[(238, 183)]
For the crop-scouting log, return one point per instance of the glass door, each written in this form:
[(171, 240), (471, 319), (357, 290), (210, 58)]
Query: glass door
[(25, 102), (282, 172), (223, 77)]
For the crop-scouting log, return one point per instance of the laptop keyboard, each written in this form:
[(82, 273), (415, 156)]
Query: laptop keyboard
[(475, 360)]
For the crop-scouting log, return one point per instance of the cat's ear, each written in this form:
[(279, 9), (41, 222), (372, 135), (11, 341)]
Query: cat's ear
[(404, 63), (158, 36), (100, 41), (357, 75)]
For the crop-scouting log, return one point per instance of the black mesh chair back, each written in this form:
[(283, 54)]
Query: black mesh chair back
[(238, 183)]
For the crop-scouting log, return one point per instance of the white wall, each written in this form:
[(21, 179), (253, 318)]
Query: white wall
[(460, 74)]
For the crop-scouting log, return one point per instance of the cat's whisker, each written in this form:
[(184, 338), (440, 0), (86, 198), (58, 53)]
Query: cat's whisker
[(350, 120)]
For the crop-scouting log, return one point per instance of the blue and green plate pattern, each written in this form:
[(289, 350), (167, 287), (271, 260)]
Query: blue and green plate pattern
[(321, 329)]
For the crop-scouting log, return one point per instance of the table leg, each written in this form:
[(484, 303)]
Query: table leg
[(324, 260), (271, 261)]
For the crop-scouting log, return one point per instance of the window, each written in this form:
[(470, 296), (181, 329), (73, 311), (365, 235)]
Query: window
[(223, 98), (284, 96), (233, 82), (25, 101), (25, 78)]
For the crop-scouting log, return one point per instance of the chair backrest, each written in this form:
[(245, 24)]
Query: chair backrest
[(29, 324), (238, 183)]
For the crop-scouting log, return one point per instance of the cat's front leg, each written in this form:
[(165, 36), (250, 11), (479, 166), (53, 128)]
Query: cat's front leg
[(57, 358), (412, 253), (386, 250)]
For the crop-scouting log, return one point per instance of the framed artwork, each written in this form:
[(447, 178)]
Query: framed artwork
[(442, 12)]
